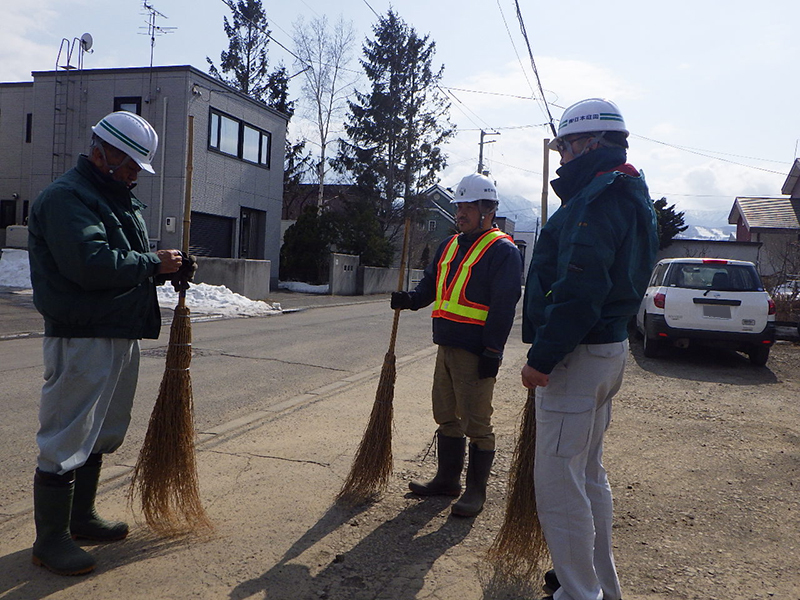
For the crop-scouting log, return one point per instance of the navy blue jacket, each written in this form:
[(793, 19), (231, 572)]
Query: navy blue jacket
[(495, 281)]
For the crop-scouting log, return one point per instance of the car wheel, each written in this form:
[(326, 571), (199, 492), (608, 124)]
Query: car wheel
[(759, 355), (651, 346)]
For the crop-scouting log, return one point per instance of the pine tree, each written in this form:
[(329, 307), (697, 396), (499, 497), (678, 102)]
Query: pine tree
[(246, 58), (396, 130), (670, 223)]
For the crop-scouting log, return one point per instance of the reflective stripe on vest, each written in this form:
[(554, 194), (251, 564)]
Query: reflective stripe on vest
[(451, 303)]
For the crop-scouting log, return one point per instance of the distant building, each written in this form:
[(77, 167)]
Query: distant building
[(774, 221), (237, 152)]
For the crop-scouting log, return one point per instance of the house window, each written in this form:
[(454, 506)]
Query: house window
[(28, 127), (238, 139), (431, 225), (130, 103)]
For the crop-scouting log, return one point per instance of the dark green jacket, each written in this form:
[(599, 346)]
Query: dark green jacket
[(91, 269), (592, 261)]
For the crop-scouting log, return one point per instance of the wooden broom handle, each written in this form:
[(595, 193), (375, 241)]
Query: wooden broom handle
[(400, 279)]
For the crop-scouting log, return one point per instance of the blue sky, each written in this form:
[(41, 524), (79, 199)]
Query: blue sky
[(708, 89)]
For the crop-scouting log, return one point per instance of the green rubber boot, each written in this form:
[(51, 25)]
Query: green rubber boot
[(54, 548), (480, 464), (85, 522)]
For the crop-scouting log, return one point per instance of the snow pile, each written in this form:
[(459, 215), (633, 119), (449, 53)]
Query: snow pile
[(217, 300), (304, 288), (201, 298), (14, 269)]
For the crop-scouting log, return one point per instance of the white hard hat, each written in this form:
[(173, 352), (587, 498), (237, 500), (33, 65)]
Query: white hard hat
[(589, 116), (130, 133), (475, 187)]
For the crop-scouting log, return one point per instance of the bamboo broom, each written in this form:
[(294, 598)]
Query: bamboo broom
[(165, 475), (519, 550), (372, 465)]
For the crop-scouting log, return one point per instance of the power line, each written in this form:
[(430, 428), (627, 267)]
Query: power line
[(372, 9), (514, 46), (533, 64), (707, 154), (448, 92), (490, 93)]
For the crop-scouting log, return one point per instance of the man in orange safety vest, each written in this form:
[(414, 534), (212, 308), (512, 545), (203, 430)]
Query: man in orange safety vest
[(474, 283)]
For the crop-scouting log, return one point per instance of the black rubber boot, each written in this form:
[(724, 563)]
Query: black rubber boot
[(85, 522), (551, 583), (480, 463), (447, 482), (54, 548)]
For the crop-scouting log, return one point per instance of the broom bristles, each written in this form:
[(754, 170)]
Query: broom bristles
[(372, 465), (165, 475), (519, 550)]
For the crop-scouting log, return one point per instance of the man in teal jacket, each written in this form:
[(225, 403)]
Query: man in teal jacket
[(588, 274), (93, 281)]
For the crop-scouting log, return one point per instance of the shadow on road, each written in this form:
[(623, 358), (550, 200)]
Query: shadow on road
[(395, 556), (21, 580), (702, 363)]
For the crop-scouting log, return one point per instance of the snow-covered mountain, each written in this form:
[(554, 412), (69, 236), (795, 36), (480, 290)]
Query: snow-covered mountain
[(703, 224), (707, 225)]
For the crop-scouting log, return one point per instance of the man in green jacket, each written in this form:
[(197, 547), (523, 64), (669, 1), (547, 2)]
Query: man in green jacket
[(587, 276), (93, 280)]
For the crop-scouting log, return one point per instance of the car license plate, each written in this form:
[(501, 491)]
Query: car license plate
[(716, 311)]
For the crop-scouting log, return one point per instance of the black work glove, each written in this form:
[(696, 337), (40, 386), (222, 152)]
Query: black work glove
[(400, 300), (185, 274), (489, 363)]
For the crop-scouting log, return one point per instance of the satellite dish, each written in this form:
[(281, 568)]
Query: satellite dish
[(86, 42)]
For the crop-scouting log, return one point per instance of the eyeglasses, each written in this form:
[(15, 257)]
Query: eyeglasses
[(564, 145)]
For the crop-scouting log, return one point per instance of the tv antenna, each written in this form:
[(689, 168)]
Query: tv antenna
[(152, 29)]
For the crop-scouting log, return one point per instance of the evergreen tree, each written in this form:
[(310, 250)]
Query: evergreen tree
[(670, 223), (359, 232), (246, 58), (296, 168), (306, 247), (396, 130)]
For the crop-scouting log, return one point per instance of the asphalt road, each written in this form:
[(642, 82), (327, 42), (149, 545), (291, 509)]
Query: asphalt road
[(239, 366)]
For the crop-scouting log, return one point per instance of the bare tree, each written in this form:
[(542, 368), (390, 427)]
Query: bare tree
[(324, 54)]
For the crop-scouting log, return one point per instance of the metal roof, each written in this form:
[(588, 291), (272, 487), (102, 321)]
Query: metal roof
[(766, 213), (791, 181)]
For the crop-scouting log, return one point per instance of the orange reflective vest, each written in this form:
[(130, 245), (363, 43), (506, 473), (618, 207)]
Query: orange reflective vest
[(451, 302)]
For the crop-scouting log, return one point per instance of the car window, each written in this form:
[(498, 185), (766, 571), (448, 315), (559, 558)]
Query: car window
[(714, 276), (658, 275)]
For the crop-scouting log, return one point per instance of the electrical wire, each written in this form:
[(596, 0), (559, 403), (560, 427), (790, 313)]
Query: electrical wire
[(533, 64), (514, 46), (490, 93)]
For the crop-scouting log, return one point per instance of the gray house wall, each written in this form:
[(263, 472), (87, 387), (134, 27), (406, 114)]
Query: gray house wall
[(16, 102), (221, 185)]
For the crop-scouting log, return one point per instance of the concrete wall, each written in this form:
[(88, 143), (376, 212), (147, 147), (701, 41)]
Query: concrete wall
[(250, 278), (344, 275), (377, 280), (16, 237)]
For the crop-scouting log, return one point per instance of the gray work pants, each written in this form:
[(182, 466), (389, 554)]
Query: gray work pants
[(573, 497), (86, 399)]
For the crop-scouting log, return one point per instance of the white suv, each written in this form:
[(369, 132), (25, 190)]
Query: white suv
[(710, 301)]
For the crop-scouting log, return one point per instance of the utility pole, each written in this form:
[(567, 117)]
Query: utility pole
[(545, 177), (480, 154)]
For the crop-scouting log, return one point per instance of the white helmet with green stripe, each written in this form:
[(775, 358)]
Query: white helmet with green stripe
[(130, 133), (590, 116)]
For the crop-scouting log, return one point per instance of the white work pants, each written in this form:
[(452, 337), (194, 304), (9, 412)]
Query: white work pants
[(86, 399), (573, 497)]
